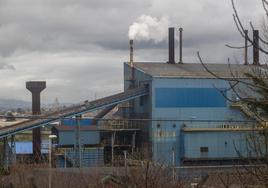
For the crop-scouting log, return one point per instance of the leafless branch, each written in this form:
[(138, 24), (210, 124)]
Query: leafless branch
[(241, 29), (265, 4), (237, 47), (260, 38), (227, 78)]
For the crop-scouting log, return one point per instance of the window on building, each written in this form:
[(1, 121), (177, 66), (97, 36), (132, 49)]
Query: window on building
[(204, 149), (203, 152)]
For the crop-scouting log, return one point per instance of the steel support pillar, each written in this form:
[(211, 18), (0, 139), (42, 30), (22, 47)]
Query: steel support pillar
[(6, 153), (13, 149), (65, 158), (133, 144), (36, 133), (112, 146)]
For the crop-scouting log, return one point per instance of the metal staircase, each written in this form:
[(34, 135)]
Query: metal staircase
[(249, 113)]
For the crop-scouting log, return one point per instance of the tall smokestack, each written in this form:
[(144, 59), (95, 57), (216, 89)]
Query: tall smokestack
[(171, 45), (35, 87), (131, 44), (131, 51), (256, 47), (180, 29), (246, 47)]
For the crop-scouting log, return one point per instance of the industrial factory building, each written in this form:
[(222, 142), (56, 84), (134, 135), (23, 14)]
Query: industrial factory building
[(177, 113), (192, 120)]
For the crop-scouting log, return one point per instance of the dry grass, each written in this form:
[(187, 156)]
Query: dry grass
[(146, 175)]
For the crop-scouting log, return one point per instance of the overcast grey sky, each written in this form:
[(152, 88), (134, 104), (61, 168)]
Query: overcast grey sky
[(79, 46)]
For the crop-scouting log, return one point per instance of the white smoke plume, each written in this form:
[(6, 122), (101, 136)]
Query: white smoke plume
[(149, 28)]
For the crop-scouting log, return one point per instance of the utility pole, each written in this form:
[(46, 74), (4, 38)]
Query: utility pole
[(65, 160), (125, 158), (133, 142), (173, 164), (50, 138), (78, 142)]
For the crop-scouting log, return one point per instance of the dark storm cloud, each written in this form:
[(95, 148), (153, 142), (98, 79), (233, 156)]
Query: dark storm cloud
[(62, 25), (78, 46), (67, 25)]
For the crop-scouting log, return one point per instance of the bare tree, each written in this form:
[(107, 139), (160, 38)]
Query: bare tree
[(250, 87)]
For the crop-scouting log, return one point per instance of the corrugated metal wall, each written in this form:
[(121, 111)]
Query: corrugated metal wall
[(89, 157), (141, 79), (189, 99), (193, 112), (87, 137), (186, 99), (165, 142), (219, 144)]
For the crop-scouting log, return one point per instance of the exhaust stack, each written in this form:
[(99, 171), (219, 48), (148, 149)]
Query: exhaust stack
[(180, 29), (131, 44), (35, 87), (246, 47), (256, 47), (131, 51), (171, 45)]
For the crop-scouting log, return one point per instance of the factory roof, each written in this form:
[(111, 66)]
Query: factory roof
[(193, 70)]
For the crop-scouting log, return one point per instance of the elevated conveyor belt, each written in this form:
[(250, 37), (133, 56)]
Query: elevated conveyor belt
[(74, 111)]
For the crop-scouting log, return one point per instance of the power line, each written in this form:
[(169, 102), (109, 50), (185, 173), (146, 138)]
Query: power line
[(35, 117)]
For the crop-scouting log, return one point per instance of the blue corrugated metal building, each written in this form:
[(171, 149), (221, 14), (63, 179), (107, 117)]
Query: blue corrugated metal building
[(67, 135), (92, 154), (66, 132), (191, 118)]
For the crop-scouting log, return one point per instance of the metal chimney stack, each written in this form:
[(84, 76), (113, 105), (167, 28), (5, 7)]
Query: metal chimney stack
[(256, 47), (131, 44), (35, 87), (246, 47), (131, 51), (171, 45), (180, 29)]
